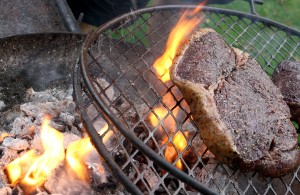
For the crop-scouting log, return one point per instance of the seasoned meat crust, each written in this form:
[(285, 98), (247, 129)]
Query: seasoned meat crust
[(241, 114)]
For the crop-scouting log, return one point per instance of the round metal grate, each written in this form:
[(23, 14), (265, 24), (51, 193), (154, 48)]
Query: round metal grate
[(119, 87)]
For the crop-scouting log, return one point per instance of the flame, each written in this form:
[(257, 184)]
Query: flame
[(161, 112), (180, 144), (4, 135), (78, 150), (187, 22), (75, 152), (32, 169)]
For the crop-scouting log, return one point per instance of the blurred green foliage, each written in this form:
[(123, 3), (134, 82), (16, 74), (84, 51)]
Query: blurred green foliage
[(283, 11)]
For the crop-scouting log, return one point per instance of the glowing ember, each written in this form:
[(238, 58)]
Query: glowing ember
[(161, 112), (170, 125), (75, 152), (78, 150), (180, 144), (33, 170), (179, 33)]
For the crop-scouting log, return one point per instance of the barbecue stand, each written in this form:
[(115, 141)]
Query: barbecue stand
[(115, 82)]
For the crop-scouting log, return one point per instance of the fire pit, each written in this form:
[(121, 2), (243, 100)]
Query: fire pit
[(149, 123)]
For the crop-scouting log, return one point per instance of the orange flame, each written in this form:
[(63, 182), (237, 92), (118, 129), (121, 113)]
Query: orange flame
[(187, 22), (180, 144), (32, 169), (78, 150), (161, 112), (4, 135)]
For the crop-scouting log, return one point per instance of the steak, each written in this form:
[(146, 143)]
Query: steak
[(241, 114), (287, 78)]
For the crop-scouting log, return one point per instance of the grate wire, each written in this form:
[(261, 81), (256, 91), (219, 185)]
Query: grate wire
[(119, 63)]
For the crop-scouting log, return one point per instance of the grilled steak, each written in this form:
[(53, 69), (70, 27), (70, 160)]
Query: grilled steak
[(241, 114), (287, 78)]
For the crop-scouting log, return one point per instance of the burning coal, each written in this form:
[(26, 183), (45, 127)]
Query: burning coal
[(35, 155), (33, 169)]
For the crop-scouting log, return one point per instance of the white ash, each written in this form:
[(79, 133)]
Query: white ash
[(8, 155), (33, 109), (45, 96), (49, 95), (98, 171), (58, 182), (57, 125), (3, 178), (67, 118), (24, 123), (15, 143), (151, 178), (7, 118), (23, 126), (2, 105), (36, 143), (6, 191), (75, 131), (69, 138)]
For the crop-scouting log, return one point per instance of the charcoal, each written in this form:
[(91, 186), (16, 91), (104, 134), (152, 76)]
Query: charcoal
[(287, 78), (24, 122), (3, 178), (63, 182), (8, 155), (8, 117), (67, 118), (36, 143), (100, 178), (69, 138), (75, 131), (241, 114), (6, 191), (23, 126), (57, 125), (44, 96), (4, 134), (15, 143), (151, 178), (35, 108), (49, 95)]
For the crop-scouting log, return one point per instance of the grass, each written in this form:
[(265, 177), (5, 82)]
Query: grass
[(282, 11)]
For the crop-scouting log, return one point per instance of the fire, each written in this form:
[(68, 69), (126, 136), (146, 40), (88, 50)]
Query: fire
[(187, 22), (74, 156), (4, 135), (179, 140), (180, 144), (32, 169), (161, 112)]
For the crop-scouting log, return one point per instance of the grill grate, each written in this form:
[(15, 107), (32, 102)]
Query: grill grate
[(117, 63)]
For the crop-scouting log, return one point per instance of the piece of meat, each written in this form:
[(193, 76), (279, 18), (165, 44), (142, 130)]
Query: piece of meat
[(287, 78), (241, 114)]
